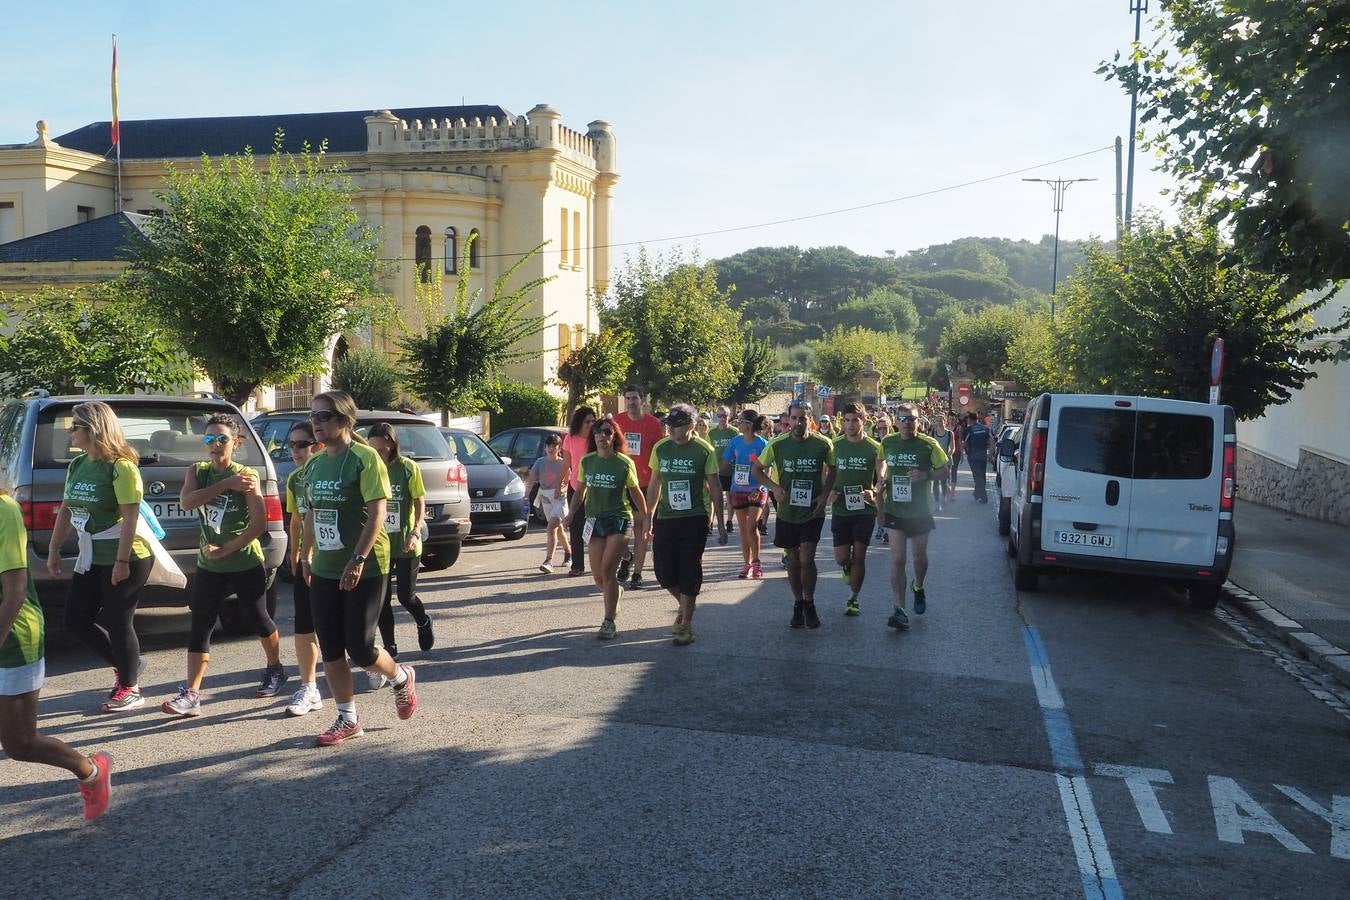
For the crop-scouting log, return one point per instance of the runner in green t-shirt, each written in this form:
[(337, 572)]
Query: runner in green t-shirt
[(720, 435), (910, 460), (607, 496), (346, 559), (23, 668), (854, 509), (684, 491), (802, 477), (229, 560), (302, 445)]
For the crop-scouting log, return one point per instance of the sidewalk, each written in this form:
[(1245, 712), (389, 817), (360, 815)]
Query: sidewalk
[(1300, 569)]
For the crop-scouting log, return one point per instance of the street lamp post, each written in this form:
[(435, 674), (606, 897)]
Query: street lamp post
[(1139, 8), (1058, 186)]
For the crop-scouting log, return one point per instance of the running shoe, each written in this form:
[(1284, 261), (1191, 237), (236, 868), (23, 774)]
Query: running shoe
[(305, 700), (374, 680), (880, 534), (98, 789), (846, 573), (731, 526), (426, 638), (899, 619), (546, 567), (607, 630), (756, 570), (567, 558), (745, 571), (187, 703), (339, 731), (885, 536), (117, 676), (675, 629), (573, 573), (798, 616), (851, 606), (920, 600), (625, 566), (812, 619), (683, 637), (786, 557), (272, 680), (636, 583), (405, 694), (122, 699)]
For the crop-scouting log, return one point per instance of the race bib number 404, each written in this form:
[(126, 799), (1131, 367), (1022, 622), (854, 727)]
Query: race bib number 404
[(326, 534), (853, 498)]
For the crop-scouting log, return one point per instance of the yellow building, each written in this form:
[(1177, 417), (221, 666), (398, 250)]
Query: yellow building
[(427, 179)]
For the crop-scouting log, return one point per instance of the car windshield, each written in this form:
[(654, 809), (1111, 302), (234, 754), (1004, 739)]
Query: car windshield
[(418, 441), (162, 435), (471, 449)]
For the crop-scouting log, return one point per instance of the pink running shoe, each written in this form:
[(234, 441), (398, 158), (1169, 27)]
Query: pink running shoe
[(97, 792), (745, 571), (756, 570), (339, 731), (405, 697), (122, 699)]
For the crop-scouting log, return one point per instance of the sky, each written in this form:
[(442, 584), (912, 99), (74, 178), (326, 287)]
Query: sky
[(727, 114)]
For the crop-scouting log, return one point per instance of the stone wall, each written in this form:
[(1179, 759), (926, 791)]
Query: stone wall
[(1318, 488)]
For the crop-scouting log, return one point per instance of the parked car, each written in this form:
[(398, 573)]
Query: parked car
[(445, 478), (1126, 484), (519, 448), (497, 501), (167, 432), (1004, 475)]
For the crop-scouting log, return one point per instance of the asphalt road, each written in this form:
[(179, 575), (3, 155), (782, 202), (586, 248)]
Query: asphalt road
[(1095, 738)]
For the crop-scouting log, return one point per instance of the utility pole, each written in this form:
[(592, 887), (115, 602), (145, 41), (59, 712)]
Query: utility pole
[(1138, 7), (1058, 186), (1119, 213)]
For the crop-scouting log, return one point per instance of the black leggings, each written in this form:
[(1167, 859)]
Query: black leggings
[(304, 609), (344, 621), (92, 593), (576, 533), (209, 590), (405, 569)]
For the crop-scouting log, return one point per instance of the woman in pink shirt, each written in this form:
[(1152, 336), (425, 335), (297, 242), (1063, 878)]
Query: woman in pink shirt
[(575, 446)]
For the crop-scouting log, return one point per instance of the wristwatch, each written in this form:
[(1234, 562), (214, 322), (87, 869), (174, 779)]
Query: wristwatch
[(359, 559)]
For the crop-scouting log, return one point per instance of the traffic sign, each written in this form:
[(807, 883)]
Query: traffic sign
[(963, 400), (823, 391)]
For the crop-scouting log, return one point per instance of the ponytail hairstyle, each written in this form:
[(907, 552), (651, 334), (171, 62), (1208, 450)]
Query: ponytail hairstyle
[(108, 443), (387, 431), (345, 408)]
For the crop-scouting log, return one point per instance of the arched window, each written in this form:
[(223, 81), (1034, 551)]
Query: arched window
[(475, 249), (423, 253), (451, 252)]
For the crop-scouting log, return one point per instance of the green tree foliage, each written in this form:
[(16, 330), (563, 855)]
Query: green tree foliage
[(1031, 358), (369, 377), (1026, 263), (598, 366), (796, 358), (455, 364), (972, 286), (254, 268), (685, 335), (981, 339), (1144, 322), (65, 340), (930, 334), (844, 351), (1248, 105), (882, 309), (756, 372), (519, 405)]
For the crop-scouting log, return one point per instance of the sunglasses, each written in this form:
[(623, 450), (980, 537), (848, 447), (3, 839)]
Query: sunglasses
[(906, 418), (221, 439), (604, 432), (74, 426), (300, 445), (322, 415)]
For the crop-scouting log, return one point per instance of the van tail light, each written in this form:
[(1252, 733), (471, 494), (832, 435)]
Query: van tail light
[(457, 477), (41, 515), (1036, 479), (1229, 489), (272, 505)]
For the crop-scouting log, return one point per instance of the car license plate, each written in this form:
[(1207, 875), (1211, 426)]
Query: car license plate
[(485, 506), (167, 511), (1084, 540)]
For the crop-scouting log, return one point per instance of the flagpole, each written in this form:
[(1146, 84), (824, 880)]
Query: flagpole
[(116, 128)]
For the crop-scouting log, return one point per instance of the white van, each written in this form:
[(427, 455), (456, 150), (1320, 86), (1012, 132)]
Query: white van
[(1126, 484)]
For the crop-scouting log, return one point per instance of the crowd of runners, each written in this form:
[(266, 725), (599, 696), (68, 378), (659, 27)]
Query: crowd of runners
[(617, 491)]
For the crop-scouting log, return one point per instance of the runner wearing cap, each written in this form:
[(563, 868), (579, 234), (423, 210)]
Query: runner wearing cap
[(826, 424), (854, 508), (721, 434), (637, 433), (909, 462), (684, 486)]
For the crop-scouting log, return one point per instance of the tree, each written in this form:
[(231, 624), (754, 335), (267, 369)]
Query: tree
[(1145, 322), (455, 364), (882, 309), (368, 376), (686, 337), (253, 269), (520, 405), (756, 372), (1031, 358), (596, 367), (982, 339), (843, 354), (1250, 110), (65, 341)]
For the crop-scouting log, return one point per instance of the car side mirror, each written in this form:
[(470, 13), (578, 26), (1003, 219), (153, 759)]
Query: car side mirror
[(1015, 456), (506, 460)]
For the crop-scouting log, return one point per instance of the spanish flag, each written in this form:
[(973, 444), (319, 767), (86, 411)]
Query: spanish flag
[(116, 125)]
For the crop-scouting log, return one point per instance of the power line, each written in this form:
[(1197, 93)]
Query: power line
[(802, 218)]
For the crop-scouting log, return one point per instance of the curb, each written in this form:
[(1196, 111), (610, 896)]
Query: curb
[(1333, 660)]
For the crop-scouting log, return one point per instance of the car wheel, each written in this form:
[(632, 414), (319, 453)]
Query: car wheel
[(1203, 597), (515, 535), (1026, 578), (1004, 516), (441, 559)]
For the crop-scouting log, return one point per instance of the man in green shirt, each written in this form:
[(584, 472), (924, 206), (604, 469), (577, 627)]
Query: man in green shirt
[(719, 436), (802, 477), (854, 509), (684, 489), (910, 460)]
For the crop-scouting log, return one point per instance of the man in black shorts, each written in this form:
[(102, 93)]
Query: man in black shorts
[(854, 510), (909, 461)]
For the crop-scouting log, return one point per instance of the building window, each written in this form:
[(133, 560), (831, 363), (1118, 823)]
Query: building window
[(84, 213), (451, 252), (562, 239), (475, 249), (423, 253), (576, 240), (9, 222), (564, 343)]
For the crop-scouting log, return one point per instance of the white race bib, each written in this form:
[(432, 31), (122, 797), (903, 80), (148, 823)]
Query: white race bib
[(79, 517), (678, 496), (633, 441), (853, 498), (214, 513), (741, 477), (587, 531), (901, 489), (391, 515), (800, 493), (326, 534)]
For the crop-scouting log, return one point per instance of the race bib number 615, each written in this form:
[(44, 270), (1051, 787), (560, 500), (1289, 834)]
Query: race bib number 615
[(326, 534)]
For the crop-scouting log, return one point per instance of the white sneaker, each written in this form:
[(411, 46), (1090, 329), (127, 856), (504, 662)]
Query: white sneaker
[(375, 681), (305, 700), (546, 567)]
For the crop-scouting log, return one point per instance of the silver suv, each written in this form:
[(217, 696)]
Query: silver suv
[(167, 432)]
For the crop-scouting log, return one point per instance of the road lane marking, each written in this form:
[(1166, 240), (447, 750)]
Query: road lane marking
[(1338, 817), (1235, 812), (1085, 829), (1139, 782)]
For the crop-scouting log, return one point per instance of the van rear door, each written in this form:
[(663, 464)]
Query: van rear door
[(1088, 464), (1178, 464)]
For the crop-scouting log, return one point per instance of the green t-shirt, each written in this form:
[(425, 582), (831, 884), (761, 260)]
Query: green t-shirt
[(684, 470), (720, 437), (94, 492), (339, 488), (607, 482), (904, 499), (297, 500), (799, 468), (405, 483), (222, 519), (25, 644), (855, 472)]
